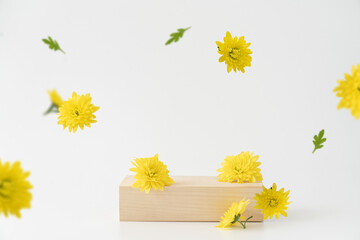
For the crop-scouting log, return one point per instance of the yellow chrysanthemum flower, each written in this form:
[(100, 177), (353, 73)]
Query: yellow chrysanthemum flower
[(235, 53), (77, 112), (55, 98), (14, 189), (234, 214), (151, 173), (56, 102), (240, 168), (349, 91), (272, 202)]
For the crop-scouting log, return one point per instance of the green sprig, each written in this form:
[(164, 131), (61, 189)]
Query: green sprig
[(237, 219), (53, 108), (319, 140), (177, 35), (53, 44)]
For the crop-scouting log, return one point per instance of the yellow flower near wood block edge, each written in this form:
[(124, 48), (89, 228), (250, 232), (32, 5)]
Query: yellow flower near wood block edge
[(14, 189), (272, 202), (151, 173), (234, 215), (240, 168), (349, 91), (77, 111), (235, 53)]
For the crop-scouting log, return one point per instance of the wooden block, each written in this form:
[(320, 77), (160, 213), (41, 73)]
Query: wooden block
[(192, 199)]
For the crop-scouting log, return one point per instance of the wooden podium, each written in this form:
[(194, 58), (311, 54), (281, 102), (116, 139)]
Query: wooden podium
[(189, 199)]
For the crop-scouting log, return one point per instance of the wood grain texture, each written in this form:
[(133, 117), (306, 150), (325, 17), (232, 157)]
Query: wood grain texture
[(190, 198)]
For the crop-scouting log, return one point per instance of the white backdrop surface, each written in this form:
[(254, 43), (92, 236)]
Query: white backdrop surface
[(180, 102)]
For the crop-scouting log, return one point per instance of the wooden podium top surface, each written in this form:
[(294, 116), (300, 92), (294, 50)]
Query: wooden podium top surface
[(195, 181)]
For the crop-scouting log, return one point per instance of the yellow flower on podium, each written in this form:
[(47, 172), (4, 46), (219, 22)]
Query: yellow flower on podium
[(241, 168), (151, 173)]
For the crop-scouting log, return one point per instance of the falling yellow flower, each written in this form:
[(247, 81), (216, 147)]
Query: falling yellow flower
[(234, 215), (240, 168), (55, 98), (272, 202), (235, 52), (349, 91), (151, 173), (14, 189), (77, 112), (56, 101)]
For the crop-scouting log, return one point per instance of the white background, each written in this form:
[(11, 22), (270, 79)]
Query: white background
[(180, 102)]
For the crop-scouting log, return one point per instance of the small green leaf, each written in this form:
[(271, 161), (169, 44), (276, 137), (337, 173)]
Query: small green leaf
[(319, 140), (53, 44), (169, 41), (176, 35)]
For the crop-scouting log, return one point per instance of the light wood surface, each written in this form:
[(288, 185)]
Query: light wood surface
[(190, 198)]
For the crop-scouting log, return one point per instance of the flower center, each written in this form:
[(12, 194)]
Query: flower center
[(4, 188), (76, 112), (234, 53), (273, 202), (151, 173), (238, 170), (358, 88)]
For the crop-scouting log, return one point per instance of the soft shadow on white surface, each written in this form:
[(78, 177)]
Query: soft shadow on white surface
[(317, 220)]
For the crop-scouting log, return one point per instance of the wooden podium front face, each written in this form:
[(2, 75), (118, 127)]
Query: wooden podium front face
[(190, 198)]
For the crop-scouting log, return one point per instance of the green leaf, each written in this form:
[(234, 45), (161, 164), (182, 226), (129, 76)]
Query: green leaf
[(53, 44), (169, 41), (319, 140), (176, 35)]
